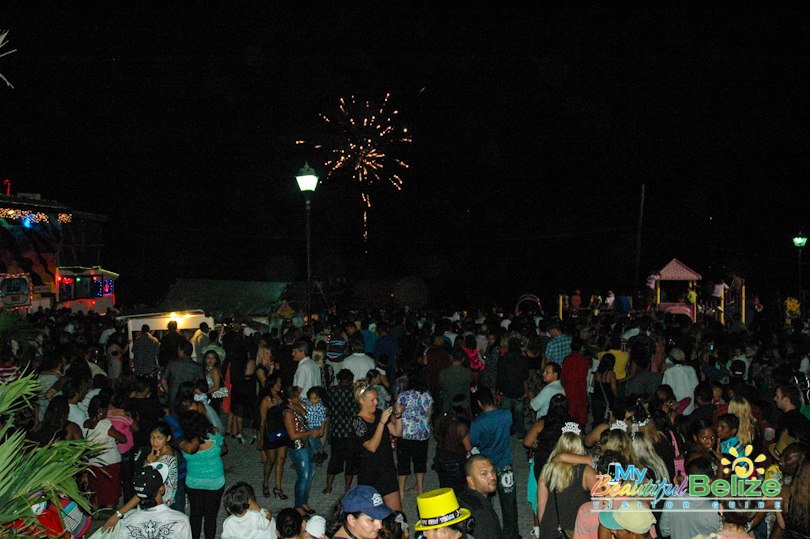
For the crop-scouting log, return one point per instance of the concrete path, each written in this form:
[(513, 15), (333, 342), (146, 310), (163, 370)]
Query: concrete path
[(242, 463)]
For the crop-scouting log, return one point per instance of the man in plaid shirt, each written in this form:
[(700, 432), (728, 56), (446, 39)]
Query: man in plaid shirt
[(146, 349), (559, 346), (343, 409)]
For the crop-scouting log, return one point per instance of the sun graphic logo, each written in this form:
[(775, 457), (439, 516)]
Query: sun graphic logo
[(743, 466)]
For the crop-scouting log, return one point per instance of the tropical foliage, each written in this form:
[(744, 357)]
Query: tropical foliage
[(3, 43), (31, 474), (15, 328)]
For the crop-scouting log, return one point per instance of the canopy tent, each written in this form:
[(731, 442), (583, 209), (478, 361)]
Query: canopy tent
[(223, 299)]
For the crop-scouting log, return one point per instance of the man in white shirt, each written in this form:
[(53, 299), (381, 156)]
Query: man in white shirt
[(359, 363), (551, 377), (308, 374), (200, 340), (153, 518), (681, 378)]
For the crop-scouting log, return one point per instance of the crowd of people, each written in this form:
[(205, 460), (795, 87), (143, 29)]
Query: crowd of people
[(364, 393)]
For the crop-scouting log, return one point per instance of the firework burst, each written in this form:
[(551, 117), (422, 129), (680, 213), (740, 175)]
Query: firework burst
[(366, 138)]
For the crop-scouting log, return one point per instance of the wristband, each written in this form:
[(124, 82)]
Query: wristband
[(118, 514)]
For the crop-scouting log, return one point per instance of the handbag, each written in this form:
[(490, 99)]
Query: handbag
[(220, 393), (560, 531), (273, 436)]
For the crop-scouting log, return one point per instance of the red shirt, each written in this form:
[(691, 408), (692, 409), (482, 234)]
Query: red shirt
[(574, 377)]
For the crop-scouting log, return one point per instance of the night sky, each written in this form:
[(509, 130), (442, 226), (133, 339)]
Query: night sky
[(533, 126)]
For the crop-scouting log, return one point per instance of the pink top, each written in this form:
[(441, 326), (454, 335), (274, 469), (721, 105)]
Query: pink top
[(121, 424)]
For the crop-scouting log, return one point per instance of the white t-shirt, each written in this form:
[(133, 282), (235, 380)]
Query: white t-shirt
[(540, 403), (105, 335), (78, 416), (359, 364), (251, 525), (719, 289), (307, 375), (110, 453), (160, 521), (85, 402), (683, 380)]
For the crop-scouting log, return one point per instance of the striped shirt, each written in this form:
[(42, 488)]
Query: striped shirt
[(8, 373)]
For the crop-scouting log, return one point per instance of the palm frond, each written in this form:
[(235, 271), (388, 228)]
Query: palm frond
[(14, 327), (33, 474), (3, 43)]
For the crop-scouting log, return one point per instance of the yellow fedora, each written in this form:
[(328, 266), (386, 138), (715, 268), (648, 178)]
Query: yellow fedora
[(779, 446), (439, 508)]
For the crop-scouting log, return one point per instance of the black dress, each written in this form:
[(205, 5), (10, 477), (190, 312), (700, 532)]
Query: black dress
[(377, 469), (243, 390), (275, 432)]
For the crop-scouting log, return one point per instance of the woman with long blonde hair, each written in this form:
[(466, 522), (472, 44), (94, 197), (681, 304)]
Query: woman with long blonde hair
[(648, 458), (748, 431), (614, 439), (563, 487)]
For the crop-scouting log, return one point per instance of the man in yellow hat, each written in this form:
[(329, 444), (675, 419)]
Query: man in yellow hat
[(440, 516)]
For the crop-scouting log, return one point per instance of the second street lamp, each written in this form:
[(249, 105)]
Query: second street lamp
[(799, 241)]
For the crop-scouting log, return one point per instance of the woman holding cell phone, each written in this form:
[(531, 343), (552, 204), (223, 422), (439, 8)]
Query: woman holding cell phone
[(373, 429)]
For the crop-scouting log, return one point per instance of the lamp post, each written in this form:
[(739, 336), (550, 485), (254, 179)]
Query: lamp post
[(307, 182), (799, 240)]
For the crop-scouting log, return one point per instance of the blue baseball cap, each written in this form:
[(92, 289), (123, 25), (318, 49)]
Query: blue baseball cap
[(366, 500)]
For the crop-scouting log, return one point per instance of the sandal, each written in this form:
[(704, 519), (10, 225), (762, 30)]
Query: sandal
[(265, 491), (278, 493)]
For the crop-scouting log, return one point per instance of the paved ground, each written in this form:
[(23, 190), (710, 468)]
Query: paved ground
[(242, 463)]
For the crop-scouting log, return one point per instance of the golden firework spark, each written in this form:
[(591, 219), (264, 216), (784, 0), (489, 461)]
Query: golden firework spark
[(367, 135)]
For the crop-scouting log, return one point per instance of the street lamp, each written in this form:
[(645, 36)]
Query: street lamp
[(799, 242), (307, 182)]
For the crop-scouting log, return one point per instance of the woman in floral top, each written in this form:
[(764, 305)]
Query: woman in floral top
[(415, 405)]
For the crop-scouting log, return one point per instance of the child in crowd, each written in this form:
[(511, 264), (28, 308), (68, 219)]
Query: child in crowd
[(105, 466), (717, 393), (315, 527), (727, 425), (316, 416), (376, 380), (247, 519), (201, 396)]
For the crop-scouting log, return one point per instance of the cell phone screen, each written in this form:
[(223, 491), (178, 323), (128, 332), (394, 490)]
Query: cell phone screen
[(613, 472)]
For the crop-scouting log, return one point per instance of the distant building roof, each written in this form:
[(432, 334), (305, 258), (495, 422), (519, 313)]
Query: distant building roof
[(224, 298)]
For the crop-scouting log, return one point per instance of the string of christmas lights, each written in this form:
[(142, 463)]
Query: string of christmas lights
[(32, 217)]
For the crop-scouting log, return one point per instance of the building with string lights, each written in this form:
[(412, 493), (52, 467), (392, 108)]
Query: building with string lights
[(50, 256)]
